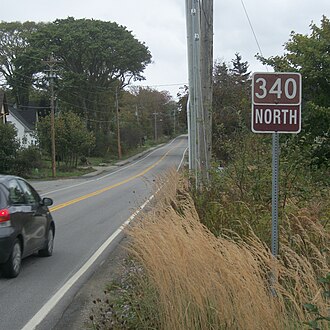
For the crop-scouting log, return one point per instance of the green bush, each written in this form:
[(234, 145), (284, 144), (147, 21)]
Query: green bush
[(9, 147), (28, 159), (72, 139), (239, 197)]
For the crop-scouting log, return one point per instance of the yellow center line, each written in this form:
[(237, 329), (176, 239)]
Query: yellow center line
[(100, 191)]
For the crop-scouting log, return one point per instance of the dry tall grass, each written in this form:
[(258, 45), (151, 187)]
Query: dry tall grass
[(205, 282)]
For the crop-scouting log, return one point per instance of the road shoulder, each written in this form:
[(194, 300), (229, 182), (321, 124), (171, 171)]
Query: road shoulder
[(77, 314)]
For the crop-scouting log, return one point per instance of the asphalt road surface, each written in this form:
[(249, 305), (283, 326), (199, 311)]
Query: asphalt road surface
[(89, 213)]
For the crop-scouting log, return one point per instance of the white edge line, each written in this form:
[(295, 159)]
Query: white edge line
[(182, 159), (51, 303)]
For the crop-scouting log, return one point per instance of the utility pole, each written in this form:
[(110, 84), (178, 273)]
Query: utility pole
[(118, 127), (206, 67), (190, 109), (137, 114), (174, 122), (155, 123), (51, 63), (197, 96), (194, 102), (199, 15)]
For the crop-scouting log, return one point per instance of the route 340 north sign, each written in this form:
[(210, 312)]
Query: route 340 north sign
[(276, 102)]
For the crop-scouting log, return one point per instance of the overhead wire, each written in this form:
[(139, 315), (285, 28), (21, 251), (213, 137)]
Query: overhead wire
[(252, 29), (98, 89), (83, 109)]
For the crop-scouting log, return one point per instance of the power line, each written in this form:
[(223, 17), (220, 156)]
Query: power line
[(97, 89), (165, 85), (254, 34)]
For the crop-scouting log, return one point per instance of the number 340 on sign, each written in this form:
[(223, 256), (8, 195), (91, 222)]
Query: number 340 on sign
[(276, 102)]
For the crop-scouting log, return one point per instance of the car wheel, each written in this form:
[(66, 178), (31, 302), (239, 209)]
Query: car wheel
[(13, 266), (48, 250)]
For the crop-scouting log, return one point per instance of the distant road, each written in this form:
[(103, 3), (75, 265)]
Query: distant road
[(89, 214)]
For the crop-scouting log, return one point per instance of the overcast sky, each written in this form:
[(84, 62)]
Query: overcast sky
[(161, 24)]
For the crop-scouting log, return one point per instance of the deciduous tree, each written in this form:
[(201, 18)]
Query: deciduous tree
[(309, 55), (93, 59), (72, 141), (17, 68)]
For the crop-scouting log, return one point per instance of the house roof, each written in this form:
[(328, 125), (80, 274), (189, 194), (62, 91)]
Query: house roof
[(27, 117)]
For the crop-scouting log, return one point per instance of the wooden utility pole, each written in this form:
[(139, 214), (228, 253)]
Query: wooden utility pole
[(199, 14), (197, 96), (155, 123), (118, 126), (192, 15), (191, 116), (174, 122), (51, 63), (206, 66)]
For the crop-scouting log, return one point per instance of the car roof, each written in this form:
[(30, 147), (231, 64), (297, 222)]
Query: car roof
[(6, 177)]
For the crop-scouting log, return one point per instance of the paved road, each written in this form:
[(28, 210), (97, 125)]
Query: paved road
[(89, 214)]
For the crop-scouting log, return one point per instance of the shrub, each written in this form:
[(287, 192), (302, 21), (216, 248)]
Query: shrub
[(239, 196), (9, 147), (28, 159)]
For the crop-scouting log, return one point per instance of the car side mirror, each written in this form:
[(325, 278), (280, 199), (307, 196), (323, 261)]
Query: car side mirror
[(47, 201)]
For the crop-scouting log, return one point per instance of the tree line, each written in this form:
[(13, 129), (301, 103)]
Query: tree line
[(93, 63)]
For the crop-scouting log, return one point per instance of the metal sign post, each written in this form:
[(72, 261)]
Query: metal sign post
[(276, 108), (275, 175)]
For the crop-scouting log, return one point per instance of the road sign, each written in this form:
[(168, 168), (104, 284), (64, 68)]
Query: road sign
[(276, 102)]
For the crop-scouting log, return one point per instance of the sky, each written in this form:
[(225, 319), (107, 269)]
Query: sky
[(161, 25)]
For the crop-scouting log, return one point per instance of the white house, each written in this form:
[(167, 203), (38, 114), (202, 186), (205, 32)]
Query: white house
[(24, 121)]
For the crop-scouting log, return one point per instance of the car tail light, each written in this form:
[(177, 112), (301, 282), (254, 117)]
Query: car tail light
[(4, 215)]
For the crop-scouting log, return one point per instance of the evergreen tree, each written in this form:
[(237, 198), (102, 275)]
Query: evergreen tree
[(240, 69)]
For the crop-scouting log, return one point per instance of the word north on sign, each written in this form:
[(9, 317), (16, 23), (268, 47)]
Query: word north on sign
[(276, 102)]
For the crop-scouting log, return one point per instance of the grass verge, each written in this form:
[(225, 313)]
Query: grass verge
[(182, 276)]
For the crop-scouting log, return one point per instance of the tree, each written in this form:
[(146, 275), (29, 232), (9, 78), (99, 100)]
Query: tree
[(309, 55), (240, 69), (155, 111), (231, 103), (182, 107), (94, 58), (73, 140), (9, 147), (17, 68)]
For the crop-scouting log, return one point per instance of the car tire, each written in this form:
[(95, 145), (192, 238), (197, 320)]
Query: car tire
[(12, 267), (48, 250)]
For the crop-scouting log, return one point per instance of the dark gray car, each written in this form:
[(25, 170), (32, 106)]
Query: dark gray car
[(26, 225)]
